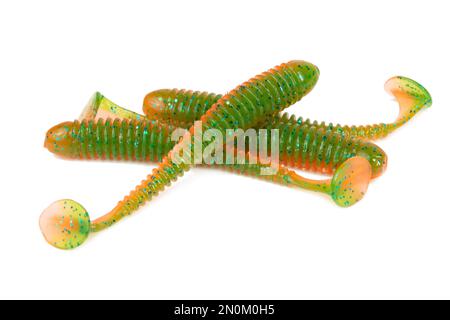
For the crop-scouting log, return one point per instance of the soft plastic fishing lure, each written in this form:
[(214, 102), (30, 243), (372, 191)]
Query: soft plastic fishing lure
[(299, 137), (182, 107), (66, 224), (151, 141), (145, 140)]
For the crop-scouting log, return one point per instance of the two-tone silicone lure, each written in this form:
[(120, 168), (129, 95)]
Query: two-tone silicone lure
[(182, 107), (149, 140), (146, 141), (66, 224)]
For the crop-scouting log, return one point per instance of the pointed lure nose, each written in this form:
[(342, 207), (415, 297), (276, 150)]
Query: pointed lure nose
[(307, 72)]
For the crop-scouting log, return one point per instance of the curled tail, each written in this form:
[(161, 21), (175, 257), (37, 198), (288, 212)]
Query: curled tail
[(411, 97)]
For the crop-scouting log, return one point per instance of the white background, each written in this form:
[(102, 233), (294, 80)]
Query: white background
[(214, 234)]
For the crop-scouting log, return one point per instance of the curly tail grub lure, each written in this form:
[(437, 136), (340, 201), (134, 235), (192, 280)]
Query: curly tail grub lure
[(182, 107), (146, 141), (66, 224)]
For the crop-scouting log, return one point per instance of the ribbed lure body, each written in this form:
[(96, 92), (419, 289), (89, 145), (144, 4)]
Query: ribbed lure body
[(304, 147), (116, 139), (182, 107), (245, 106)]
